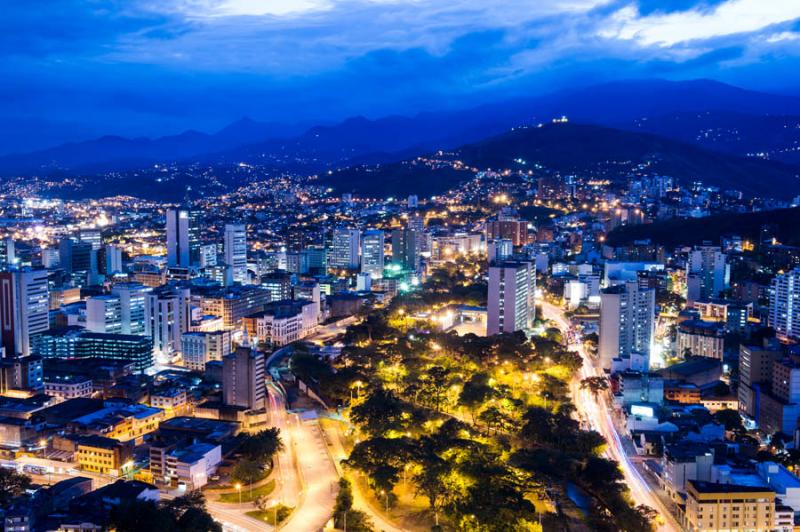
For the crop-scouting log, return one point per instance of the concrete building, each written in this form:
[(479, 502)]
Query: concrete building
[(132, 306), (183, 238), (167, 317), (345, 248), (707, 273), (714, 507), (236, 251), (198, 348), (627, 321), (104, 314), (24, 309), (511, 306), (701, 338), (372, 253), (243, 378), (784, 304)]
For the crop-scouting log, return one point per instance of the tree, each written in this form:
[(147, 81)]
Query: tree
[(198, 520), (475, 393), (137, 515), (248, 471), (595, 385), (730, 419), (12, 484), (344, 517), (261, 447)]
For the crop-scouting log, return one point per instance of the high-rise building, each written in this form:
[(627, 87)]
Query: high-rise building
[(500, 250), (243, 378), (784, 304), (24, 309), (132, 304), (511, 229), (707, 273), (167, 317), (511, 305), (183, 238), (112, 259), (372, 253), (755, 375), (77, 259), (627, 321), (7, 251), (236, 251), (404, 248), (104, 314), (93, 237), (345, 248), (198, 348), (74, 342)]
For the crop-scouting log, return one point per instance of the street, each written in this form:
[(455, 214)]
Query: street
[(595, 409)]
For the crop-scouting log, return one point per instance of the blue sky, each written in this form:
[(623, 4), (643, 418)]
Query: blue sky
[(73, 69)]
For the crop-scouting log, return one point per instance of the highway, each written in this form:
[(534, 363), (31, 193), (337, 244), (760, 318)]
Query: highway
[(595, 409)]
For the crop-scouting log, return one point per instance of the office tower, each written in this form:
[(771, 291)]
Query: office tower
[(511, 229), (413, 201), (198, 348), (500, 250), (77, 258), (24, 309), (21, 374), (208, 255), (363, 282), (112, 259), (279, 285), (183, 238), (313, 260), (372, 253), (707, 273), (132, 304), (511, 305), (243, 378), (784, 304), (416, 222), (50, 258), (104, 314), (93, 237), (404, 249), (627, 320), (167, 317), (236, 251), (345, 248)]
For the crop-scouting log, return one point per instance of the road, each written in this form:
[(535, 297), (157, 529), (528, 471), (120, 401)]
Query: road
[(595, 409), (360, 501)]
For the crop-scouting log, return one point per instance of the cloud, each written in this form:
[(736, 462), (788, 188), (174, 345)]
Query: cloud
[(699, 23)]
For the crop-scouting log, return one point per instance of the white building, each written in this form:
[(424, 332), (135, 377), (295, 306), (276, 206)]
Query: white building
[(67, 387), (345, 248), (511, 304), (132, 302), (236, 251), (707, 273), (167, 317), (284, 322), (784, 304), (627, 321), (372, 253), (24, 309), (198, 348), (104, 314)]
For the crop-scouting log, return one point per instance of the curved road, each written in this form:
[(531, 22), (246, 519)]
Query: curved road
[(595, 409)]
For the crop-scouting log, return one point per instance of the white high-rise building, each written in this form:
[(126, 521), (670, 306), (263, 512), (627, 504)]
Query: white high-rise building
[(784, 304), (132, 304), (198, 348), (236, 251), (500, 249), (24, 309), (511, 306), (707, 273), (167, 317), (627, 320), (372, 253), (345, 248), (183, 238), (113, 256), (104, 314)]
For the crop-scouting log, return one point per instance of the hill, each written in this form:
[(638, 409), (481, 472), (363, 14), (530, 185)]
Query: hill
[(582, 149), (687, 231)]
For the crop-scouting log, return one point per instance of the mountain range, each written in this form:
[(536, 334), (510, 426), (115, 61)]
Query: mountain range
[(697, 129)]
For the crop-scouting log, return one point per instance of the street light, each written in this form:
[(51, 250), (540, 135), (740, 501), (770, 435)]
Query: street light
[(383, 492), (239, 489)]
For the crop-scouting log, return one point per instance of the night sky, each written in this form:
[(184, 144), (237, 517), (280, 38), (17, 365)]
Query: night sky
[(75, 69)]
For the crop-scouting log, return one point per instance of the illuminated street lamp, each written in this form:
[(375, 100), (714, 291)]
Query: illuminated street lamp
[(239, 489)]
